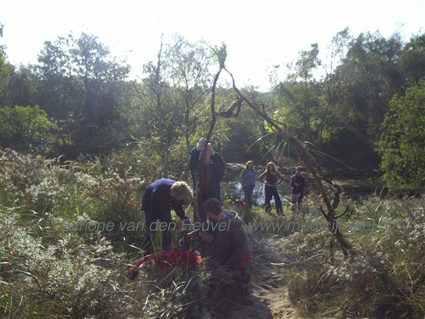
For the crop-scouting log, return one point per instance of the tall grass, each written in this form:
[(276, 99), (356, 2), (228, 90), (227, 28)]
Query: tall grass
[(386, 279), (50, 271)]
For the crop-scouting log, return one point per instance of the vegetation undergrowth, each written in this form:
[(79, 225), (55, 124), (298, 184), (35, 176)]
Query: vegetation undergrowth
[(57, 262), (50, 270), (384, 279)]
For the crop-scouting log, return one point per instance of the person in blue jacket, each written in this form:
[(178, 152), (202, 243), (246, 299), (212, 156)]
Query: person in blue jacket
[(159, 198), (212, 170)]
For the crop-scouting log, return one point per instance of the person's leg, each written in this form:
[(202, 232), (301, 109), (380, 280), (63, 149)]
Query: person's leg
[(249, 191), (277, 201), (294, 203), (300, 200), (149, 220), (242, 277), (268, 191), (166, 234), (245, 190)]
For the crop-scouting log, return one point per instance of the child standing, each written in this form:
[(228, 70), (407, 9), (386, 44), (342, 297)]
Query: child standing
[(271, 178), (297, 185), (248, 182)]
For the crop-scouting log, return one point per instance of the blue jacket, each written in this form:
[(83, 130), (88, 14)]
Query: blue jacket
[(158, 201), (216, 173)]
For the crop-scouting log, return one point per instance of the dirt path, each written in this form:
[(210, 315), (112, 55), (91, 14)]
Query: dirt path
[(270, 296)]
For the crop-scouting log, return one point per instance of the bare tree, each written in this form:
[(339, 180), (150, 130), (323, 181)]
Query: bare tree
[(190, 73), (330, 213)]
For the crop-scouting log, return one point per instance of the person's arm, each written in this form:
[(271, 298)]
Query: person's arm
[(292, 181), (220, 246), (193, 159), (177, 206), (219, 165), (279, 178), (243, 177)]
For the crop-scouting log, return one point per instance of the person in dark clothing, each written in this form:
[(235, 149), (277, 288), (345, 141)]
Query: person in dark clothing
[(271, 178), (159, 198), (297, 186), (227, 241), (212, 171), (248, 182)]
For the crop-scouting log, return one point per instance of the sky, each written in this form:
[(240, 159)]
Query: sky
[(258, 34)]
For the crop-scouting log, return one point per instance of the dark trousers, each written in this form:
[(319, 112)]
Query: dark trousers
[(297, 198), (151, 227), (248, 189), (272, 192)]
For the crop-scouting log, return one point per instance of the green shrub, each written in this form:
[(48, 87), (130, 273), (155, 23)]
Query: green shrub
[(402, 145), (26, 129)]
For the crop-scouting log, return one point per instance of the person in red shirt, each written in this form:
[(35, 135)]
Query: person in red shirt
[(212, 171)]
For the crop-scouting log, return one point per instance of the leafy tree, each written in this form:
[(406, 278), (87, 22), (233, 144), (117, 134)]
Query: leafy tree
[(158, 119), (26, 129), (6, 73), (298, 94), (24, 87), (412, 58), (402, 145), (366, 80), (82, 89), (331, 118), (190, 76)]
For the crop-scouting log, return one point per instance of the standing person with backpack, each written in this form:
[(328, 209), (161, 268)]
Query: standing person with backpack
[(271, 178), (248, 182)]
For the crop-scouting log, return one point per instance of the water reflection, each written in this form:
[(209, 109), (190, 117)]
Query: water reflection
[(235, 190)]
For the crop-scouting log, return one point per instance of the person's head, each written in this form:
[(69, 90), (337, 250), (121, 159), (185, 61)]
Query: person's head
[(202, 144), (270, 167), (249, 165), (180, 191), (202, 141), (210, 149), (212, 208), (299, 170)]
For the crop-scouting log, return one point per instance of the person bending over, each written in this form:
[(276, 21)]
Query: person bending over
[(227, 242), (159, 199)]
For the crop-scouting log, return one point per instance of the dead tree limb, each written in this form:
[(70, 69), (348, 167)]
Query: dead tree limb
[(199, 177), (311, 164), (282, 131)]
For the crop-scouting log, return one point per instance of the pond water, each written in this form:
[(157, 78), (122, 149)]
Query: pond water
[(356, 187), (234, 190)]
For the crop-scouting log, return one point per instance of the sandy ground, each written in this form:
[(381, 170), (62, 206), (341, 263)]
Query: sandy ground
[(269, 298)]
